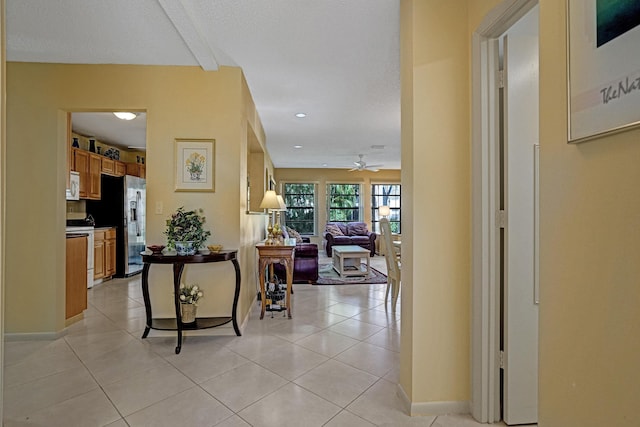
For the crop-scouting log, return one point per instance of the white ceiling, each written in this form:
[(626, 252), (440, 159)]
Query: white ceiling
[(335, 60)]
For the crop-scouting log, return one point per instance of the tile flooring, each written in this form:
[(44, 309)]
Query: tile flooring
[(334, 364)]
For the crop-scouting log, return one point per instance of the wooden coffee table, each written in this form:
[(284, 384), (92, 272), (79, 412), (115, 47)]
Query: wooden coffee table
[(347, 260)]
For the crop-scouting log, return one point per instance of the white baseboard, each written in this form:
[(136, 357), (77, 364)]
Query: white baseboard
[(34, 336), (431, 408)]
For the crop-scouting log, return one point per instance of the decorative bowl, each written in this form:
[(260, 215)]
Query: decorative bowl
[(215, 248), (156, 249)]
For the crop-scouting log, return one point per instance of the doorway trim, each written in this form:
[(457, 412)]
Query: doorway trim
[(485, 271)]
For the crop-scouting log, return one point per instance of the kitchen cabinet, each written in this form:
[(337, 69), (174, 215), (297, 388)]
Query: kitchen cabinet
[(98, 254), (136, 169), (110, 252), (76, 275), (121, 168), (104, 256), (95, 166), (108, 166), (113, 167), (89, 166), (81, 165)]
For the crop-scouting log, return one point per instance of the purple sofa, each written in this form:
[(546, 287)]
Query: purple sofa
[(350, 233), (305, 263)]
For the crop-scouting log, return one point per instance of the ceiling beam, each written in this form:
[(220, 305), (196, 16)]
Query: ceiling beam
[(179, 16)]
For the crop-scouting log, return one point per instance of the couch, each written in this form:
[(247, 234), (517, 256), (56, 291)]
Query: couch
[(350, 233), (305, 261)]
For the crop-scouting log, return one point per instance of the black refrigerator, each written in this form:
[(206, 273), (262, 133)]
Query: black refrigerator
[(123, 205)]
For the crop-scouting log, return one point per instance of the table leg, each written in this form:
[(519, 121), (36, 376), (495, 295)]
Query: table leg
[(262, 265), (145, 296), (236, 297), (288, 264), (177, 275)]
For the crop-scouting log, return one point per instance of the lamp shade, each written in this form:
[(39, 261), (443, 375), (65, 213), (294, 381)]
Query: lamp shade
[(283, 206), (270, 201), (384, 211)]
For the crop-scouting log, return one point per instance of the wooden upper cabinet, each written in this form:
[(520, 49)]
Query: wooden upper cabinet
[(108, 166), (95, 167), (136, 169), (69, 152), (81, 165), (88, 165), (121, 168)]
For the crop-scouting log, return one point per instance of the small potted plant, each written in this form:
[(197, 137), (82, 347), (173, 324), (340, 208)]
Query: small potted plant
[(185, 231), (189, 296)]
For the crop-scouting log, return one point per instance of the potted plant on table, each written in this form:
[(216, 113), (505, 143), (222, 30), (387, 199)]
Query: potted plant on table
[(185, 231), (189, 296)]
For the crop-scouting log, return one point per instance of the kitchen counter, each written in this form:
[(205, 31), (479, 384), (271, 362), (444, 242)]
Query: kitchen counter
[(75, 235)]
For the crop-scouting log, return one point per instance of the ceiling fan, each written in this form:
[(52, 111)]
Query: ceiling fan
[(361, 165)]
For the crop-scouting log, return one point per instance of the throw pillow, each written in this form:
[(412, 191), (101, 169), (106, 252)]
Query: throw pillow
[(357, 229), (294, 234), (333, 230)]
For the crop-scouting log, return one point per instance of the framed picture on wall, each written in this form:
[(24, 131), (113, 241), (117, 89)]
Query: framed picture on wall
[(195, 164), (604, 67)]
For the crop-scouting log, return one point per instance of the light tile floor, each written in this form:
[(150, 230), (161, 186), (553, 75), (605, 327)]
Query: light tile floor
[(334, 364)]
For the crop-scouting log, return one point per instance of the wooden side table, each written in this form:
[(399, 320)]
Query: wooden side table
[(175, 324), (270, 254)]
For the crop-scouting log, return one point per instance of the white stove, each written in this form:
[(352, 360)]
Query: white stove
[(89, 231)]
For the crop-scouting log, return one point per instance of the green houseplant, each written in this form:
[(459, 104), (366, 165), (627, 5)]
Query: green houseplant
[(185, 231)]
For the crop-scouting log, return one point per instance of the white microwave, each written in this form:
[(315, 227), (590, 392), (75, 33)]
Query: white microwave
[(73, 192)]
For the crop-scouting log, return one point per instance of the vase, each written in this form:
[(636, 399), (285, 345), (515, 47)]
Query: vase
[(186, 248), (92, 145), (188, 313)]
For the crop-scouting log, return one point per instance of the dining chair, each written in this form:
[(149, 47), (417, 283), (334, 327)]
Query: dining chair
[(393, 265)]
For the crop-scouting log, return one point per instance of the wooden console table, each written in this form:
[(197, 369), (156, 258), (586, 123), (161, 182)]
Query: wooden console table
[(175, 324), (270, 254)]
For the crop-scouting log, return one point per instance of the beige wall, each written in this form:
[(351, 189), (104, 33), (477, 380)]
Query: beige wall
[(589, 269), (436, 181), (3, 93), (322, 177), (181, 102), (589, 230)]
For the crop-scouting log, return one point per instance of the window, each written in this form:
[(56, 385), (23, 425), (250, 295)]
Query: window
[(300, 199), (343, 202), (385, 195)]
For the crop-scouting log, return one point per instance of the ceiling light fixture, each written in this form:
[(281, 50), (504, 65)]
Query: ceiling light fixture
[(125, 115), (297, 146), (301, 115)]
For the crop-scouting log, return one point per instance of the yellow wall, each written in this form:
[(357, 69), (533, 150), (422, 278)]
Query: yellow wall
[(590, 230), (435, 61), (2, 193), (322, 177), (181, 102), (590, 247)]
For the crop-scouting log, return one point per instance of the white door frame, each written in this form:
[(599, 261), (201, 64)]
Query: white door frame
[(485, 309)]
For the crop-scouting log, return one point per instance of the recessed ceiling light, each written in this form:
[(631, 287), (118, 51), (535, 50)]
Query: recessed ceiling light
[(125, 115), (301, 115), (297, 146), (324, 165)]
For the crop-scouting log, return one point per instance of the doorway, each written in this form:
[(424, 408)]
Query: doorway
[(505, 147)]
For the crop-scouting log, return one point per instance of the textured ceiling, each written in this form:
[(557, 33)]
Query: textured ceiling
[(335, 60)]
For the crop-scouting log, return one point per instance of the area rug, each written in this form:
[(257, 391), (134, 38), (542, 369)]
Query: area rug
[(328, 276)]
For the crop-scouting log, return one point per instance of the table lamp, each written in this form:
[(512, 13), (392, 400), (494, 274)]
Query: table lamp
[(271, 203)]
